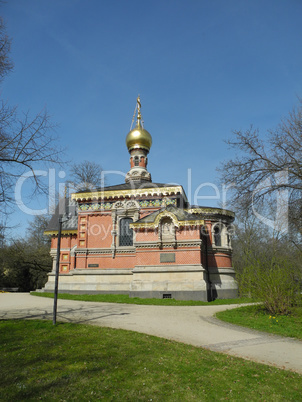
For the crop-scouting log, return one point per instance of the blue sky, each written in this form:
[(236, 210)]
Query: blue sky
[(202, 69)]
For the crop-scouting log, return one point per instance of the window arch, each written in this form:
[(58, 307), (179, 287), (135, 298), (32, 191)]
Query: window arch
[(217, 235), (167, 230), (125, 232), (136, 161)]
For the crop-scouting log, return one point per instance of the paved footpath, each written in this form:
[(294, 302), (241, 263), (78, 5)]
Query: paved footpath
[(194, 325)]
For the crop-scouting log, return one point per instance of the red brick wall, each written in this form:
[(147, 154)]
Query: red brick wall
[(99, 229), (67, 241), (146, 235), (187, 233), (182, 256), (94, 231), (106, 261), (220, 260)]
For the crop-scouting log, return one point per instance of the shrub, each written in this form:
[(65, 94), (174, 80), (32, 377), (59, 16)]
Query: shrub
[(275, 282)]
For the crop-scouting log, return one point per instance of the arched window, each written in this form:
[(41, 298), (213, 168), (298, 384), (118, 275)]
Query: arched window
[(125, 233), (217, 236), (136, 161)]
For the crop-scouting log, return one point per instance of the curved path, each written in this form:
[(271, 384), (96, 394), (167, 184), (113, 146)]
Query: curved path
[(193, 325)]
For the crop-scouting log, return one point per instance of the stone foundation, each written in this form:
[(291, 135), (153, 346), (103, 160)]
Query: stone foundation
[(92, 280), (223, 283), (180, 282)]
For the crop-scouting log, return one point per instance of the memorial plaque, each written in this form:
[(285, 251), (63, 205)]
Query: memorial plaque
[(93, 265), (167, 257)]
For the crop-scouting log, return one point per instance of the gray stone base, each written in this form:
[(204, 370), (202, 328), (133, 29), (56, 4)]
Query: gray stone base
[(180, 282), (92, 281), (224, 293), (223, 283), (90, 292), (177, 295)]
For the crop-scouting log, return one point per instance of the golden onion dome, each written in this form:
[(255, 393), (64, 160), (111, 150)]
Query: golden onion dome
[(138, 137)]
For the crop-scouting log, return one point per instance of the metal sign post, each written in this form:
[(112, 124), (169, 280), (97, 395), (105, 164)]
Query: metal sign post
[(62, 219), (55, 303)]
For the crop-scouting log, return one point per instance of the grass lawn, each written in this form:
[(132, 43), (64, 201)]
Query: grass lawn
[(257, 318), (79, 362), (136, 300)]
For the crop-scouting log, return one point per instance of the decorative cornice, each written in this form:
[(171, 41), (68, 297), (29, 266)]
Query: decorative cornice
[(155, 224), (64, 232), (211, 211), (177, 244), (153, 191), (54, 250), (93, 251), (221, 270), (125, 250), (96, 271), (146, 244), (216, 250), (189, 243), (168, 268)]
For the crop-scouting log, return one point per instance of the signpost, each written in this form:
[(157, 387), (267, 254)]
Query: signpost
[(62, 219)]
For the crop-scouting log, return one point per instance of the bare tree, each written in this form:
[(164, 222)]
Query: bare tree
[(36, 229), (86, 176), (25, 142), (266, 168), (6, 64)]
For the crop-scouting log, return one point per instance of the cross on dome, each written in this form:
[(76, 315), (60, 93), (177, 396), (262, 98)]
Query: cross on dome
[(138, 142)]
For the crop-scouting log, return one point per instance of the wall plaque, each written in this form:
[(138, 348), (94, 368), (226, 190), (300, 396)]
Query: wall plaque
[(167, 257), (93, 265)]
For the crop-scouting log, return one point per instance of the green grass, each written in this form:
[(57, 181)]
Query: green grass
[(136, 300), (257, 318), (87, 363)]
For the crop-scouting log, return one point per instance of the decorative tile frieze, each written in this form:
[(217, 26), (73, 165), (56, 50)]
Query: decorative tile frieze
[(95, 206), (106, 206)]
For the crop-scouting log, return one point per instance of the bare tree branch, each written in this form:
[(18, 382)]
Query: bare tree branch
[(86, 176), (25, 143), (264, 167)]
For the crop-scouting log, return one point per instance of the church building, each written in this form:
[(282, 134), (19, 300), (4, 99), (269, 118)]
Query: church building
[(143, 239)]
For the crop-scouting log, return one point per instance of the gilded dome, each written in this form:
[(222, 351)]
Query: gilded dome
[(138, 138)]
